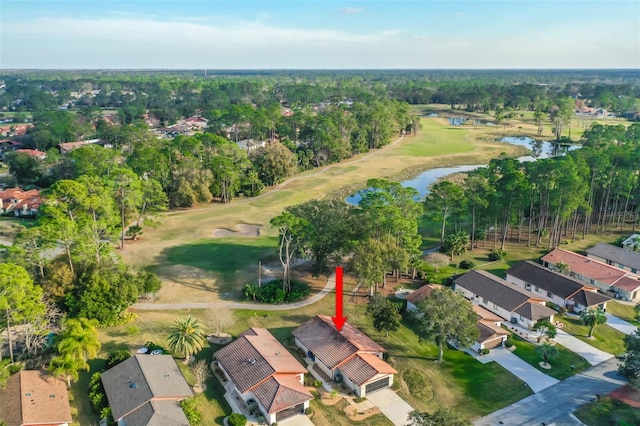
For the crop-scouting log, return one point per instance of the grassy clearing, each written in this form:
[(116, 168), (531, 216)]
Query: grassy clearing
[(437, 139), (608, 412), (623, 311), (560, 366), (605, 338)]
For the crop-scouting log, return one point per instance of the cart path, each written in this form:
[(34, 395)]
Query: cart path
[(328, 288)]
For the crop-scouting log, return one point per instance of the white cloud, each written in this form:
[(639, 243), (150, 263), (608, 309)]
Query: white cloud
[(460, 14), (351, 10)]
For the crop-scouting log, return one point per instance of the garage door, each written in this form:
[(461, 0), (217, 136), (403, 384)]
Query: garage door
[(285, 414), (377, 385)]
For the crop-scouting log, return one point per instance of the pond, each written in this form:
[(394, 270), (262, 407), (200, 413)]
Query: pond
[(457, 121), (539, 149)]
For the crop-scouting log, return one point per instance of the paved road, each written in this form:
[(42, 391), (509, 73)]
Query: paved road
[(392, 406), (536, 379), (620, 324), (592, 355), (328, 288), (555, 404)]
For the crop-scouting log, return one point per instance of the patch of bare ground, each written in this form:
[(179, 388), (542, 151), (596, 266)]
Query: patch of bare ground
[(356, 414), (183, 284)]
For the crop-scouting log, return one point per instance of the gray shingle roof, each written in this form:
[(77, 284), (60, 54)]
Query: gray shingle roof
[(616, 255), (494, 289), (589, 298), (534, 311), (141, 378), (544, 278), (157, 413)]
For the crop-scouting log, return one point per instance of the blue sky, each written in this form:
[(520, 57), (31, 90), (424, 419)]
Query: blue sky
[(308, 34)]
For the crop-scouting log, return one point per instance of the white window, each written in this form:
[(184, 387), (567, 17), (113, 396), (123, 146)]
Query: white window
[(537, 289)]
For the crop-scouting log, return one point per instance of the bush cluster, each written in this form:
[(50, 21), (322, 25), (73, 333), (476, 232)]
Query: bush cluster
[(116, 357), (236, 419), (509, 342), (191, 412), (273, 293), (497, 254), (467, 264)]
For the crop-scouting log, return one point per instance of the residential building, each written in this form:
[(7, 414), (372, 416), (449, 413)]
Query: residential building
[(20, 203), (34, 397), (627, 260), (33, 152), (504, 299), (492, 335), (610, 280), (419, 295), (555, 287), (347, 356), (259, 368), (145, 390)]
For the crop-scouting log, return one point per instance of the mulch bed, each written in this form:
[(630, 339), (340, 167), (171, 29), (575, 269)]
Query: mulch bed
[(628, 395)]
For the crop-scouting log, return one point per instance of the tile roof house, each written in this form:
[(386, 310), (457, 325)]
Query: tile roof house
[(615, 256), (34, 397), (145, 390), (34, 153), (555, 287), (609, 279), (20, 203), (347, 356), (419, 295), (259, 368), (503, 298)]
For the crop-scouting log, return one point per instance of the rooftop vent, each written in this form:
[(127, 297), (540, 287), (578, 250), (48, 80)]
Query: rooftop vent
[(278, 354), (133, 385), (252, 361), (52, 396)]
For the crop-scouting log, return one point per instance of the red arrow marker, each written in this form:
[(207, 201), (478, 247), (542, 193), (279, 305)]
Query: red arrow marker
[(339, 320)]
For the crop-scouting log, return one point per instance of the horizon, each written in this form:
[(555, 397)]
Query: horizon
[(319, 35)]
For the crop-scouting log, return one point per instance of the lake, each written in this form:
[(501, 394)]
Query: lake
[(539, 149)]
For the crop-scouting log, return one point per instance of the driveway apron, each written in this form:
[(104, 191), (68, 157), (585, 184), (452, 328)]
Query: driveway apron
[(392, 406), (536, 379), (592, 355)]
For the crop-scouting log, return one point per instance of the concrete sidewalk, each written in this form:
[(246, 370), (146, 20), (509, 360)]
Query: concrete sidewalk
[(392, 406), (620, 324), (536, 379), (592, 355)]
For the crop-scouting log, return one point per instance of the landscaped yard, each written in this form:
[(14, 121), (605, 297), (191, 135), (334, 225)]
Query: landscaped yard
[(604, 338), (566, 364), (623, 311), (608, 412)]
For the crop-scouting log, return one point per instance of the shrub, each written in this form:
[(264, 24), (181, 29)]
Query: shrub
[(191, 412), (308, 411), (273, 293), (116, 357), (153, 347), (497, 254), (236, 419), (484, 351), (14, 368), (333, 394), (359, 399), (509, 342), (317, 383), (467, 264), (97, 396)]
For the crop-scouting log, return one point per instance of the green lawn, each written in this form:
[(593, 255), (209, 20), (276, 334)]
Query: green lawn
[(333, 415), (560, 366), (604, 338), (623, 311), (608, 412), (436, 139)]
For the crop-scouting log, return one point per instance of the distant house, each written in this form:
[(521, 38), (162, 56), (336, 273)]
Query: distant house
[(259, 368), (419, 295), (9, 145), (609, 279), (34, 397), (34, 153), (632, 243), (627, 260), (504, 299), (492, 335), (556, 287), (196, 122), (20, 203), (145, 390), (251, 145), (347, 355)]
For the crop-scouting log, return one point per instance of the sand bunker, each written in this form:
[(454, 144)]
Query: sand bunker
[(243, 230)]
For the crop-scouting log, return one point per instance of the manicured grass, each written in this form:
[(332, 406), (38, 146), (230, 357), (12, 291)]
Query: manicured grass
[(437, 139), (80, 391), (608, 412), (604, 338), (623, 311), (560, 365)]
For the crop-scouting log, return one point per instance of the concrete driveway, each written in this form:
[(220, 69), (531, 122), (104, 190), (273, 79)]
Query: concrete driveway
[(556, 404), (620, 324), (392, 406), (536, 379), (299, 420), (592, 355)]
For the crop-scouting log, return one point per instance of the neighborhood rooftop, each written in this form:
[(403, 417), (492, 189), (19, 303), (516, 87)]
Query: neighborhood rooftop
[(616, 255), (584, 266), (546, 279)]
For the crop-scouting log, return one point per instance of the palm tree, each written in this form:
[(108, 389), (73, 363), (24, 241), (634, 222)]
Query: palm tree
[(635, 243), (186, 337), (562, 267), (456, 244), (79, 338), (67, 366), (547, 351), (593, 317)]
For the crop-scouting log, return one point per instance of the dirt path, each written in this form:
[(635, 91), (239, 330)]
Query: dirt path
[(328, 288)]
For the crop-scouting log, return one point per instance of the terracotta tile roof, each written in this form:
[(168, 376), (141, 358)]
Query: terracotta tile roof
[(70, 146), (546, 279), (331, 347), (535, 311), (280, 392), (615, 254), (255, 356), (33, 153), (34, 397), (363, 367), (420, 294), (584, 266), (141, 378)]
